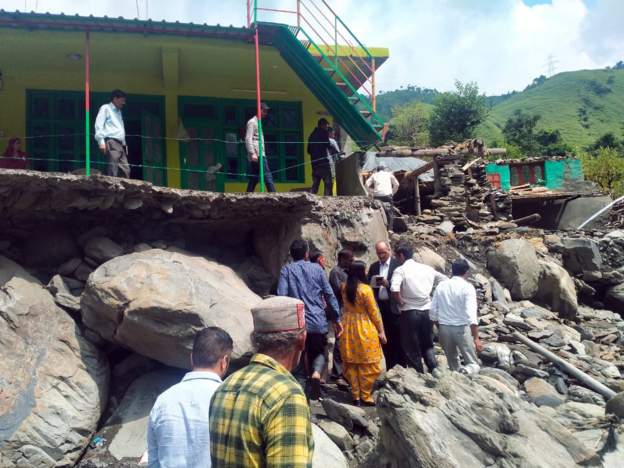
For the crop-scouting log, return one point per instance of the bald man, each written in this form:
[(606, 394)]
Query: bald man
[(380, 275)]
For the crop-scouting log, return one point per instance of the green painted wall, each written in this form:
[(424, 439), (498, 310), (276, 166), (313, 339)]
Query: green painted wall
[(503, 170), (557, 172)]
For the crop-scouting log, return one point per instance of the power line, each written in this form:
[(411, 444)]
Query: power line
[(551, 64)]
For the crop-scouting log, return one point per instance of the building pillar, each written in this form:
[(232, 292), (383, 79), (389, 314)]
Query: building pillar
[(170, 81)]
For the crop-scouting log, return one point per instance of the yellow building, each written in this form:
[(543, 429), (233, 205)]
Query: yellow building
[(191, 89)]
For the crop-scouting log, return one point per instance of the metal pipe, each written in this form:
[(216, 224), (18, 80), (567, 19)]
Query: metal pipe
[(566, 367), (595, 215), (87, 104), (259, 111)]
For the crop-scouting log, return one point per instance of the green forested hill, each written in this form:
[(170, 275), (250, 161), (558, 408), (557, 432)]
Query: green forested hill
[(582, 105)]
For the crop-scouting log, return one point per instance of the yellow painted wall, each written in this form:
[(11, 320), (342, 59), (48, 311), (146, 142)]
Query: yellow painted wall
[(146, 65)]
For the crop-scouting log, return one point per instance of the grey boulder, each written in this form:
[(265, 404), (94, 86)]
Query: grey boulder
[(614, 298), (462, 421), (581, 255), (514, 263), (154, 302), (53, 382), (102, 249), (557, 290), (326, 453)]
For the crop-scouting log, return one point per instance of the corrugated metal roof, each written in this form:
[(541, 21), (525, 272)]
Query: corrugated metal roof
[(372, 159), (49, 21)]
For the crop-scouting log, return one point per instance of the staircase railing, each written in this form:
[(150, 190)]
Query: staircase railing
[(339, 50)]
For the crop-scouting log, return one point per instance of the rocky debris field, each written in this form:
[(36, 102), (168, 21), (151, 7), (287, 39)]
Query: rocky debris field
[(99, 302)]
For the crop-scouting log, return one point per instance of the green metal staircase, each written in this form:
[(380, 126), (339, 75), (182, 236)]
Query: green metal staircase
[(338, 75)]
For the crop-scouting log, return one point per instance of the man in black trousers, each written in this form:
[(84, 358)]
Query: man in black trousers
[(380, 275)]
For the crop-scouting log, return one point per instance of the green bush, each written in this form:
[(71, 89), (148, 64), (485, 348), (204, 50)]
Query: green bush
[(606, 168)]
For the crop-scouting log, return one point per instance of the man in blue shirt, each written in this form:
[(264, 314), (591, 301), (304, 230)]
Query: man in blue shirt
[(110, 134), (307, 282), (178, 432)]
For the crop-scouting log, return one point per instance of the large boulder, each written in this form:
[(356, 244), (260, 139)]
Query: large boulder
[(514, 263), (53, 382), (581, 255), (427, 256), (466, 421), (154, 302), (124, 435), (557, 290)]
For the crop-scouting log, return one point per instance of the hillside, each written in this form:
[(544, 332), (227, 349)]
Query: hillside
[(583, 105)]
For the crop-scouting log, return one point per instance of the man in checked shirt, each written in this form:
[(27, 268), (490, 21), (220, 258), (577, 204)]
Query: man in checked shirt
[(259, 417)]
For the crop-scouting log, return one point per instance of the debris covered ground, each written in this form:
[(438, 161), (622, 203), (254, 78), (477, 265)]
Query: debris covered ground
[(90, 339)]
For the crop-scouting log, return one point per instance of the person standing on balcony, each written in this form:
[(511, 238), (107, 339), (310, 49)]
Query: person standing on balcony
[(110, 134), (252, 143), (319, 147)]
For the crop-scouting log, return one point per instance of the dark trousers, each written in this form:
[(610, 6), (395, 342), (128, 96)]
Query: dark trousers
[(337, 363), (322, 173), (417, 339), (388, 205), (392, 350), (253, 171), (315, 352), (116, 158)]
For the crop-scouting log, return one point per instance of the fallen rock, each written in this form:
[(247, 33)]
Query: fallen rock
[(154, 302), (125, 432), (337, 433), (556, 289), (580, 255), (62, 293), (542, 393), (69, 267), (345, 415), (584, 395), (614, 298), (101, 249), (427, 256), (53, 382), (456, 421), (615, 405), (514, 263), (326, 453)]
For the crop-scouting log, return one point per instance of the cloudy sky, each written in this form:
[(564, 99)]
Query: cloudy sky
[(500, 44)]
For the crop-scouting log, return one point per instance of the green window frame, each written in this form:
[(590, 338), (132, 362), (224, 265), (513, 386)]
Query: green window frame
[(55, 129), (283, 135)]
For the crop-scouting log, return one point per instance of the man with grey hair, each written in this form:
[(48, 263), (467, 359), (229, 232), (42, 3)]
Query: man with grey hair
[(382, 185), (178, 431), (260, 415)]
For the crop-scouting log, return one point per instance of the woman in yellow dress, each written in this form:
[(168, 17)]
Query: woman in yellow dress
[(363, 333)]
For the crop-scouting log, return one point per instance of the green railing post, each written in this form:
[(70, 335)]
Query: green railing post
[(87, 59)]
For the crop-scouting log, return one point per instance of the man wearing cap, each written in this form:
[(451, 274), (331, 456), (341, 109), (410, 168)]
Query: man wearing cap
[(382, 185), (252, 139), (306, 281), (454, 310), (319, 147), (260, 416)]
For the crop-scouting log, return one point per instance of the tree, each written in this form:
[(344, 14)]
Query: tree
[(606, 168), (457, 114), (608, 140), (409, 125), (519, 131)]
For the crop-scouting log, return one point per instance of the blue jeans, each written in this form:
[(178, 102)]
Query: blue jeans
[(253, 171)]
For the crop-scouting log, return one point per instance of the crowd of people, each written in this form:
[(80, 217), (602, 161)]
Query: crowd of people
[(260, 416)]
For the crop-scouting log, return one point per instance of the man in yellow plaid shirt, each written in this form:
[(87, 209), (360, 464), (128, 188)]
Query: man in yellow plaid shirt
[(259, 417)]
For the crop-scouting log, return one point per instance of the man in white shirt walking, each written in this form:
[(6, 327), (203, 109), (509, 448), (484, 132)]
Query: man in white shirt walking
[(252, 144), (411, 288), (382, 185), (454, 310), (178, 433), (110, 134)]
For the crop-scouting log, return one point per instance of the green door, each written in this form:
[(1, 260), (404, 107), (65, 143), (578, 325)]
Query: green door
[(152, 148), (201, 158)]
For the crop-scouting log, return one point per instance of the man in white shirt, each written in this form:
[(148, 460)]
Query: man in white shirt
[(411, 288), (454, 311), (178, 433), (110, 134), (382, 185), (252, 144)]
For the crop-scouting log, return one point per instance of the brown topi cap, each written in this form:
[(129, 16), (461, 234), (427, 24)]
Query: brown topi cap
[(278, 314)]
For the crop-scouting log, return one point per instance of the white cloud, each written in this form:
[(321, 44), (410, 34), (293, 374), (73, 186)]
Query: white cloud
[(500, 44)]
